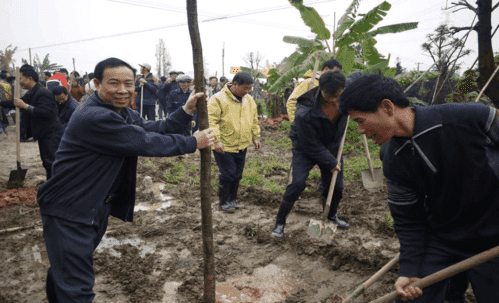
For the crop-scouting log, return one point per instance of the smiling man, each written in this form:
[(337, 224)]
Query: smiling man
[(95, 175), (442, 173)]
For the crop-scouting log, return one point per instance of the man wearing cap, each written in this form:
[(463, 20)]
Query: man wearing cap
[(223, 81), (147, 83), (177, 98)]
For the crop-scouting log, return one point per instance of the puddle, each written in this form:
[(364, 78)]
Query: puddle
[(109, 242)]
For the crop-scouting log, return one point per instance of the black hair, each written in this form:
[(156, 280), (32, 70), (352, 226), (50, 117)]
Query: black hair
[(76, 74), (213, 77), (48, 74), (59, 90), (163, 79), (331, 83), (243, 78), (63, 70), (3, 75), (222, 79), (91, 76), (331, 63), (110, 63), (29, 71), (366, 93)]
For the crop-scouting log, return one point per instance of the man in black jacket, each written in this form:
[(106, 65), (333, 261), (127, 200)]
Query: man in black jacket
[(41, 121), (66, 104), (316, 135)]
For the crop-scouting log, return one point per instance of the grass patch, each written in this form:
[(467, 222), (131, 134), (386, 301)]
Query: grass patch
[(284, 125), (355, 165), (284, 142)]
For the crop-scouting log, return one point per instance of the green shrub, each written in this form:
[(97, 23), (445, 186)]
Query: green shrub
[(284, 125)]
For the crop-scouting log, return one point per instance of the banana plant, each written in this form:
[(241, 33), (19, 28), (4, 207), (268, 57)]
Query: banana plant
[(359, 31)]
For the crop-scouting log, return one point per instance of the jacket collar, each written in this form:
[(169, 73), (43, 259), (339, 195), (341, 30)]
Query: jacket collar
[(427, 119), (229, 93), (316, 110)]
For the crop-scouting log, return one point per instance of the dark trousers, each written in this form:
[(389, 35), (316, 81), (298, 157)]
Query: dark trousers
[(70, 277), (162, 109), (230, 165), (150, 112), (5, 121), (301, 166), (48, 145), (484, 278)]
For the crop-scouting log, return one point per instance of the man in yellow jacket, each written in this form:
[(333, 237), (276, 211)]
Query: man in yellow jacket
[(233, 116), (302, 87)]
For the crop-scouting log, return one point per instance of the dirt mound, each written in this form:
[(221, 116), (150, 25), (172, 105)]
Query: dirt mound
[(25, 196)]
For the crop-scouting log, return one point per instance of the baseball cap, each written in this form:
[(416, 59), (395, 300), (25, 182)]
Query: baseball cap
[(147, 66), (173, 72), (183, 78)]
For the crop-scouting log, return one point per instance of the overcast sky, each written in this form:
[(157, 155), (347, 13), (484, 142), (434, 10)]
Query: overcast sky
[(55, 26)]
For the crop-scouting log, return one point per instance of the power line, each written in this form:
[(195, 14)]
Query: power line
[(172, 8)]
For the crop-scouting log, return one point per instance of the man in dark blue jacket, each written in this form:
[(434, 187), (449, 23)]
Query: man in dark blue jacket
[(95, 175), (160, 93), (316, 134), (66, 104), (177, 98), (442, 169), (40, 121), (146, 83)]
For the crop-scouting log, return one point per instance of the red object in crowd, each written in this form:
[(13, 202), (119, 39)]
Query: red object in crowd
[(77, 91), (60, 77)]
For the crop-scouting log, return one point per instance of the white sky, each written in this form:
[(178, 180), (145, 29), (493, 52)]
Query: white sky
[(38, 25)]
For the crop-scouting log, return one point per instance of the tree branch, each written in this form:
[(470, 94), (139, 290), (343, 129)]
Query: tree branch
[(463, 3), (456, 30), (495, 6)]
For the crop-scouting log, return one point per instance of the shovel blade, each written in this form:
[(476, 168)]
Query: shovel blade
[(16, 178), (372, 183), (317, 229), (314, 228)]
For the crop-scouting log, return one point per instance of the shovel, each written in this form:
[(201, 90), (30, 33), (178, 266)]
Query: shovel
[(316, 228), (446, 273), (372, 178), (17, 176)]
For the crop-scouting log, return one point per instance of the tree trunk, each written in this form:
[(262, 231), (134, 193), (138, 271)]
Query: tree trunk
[(485, 53), (206, 216)]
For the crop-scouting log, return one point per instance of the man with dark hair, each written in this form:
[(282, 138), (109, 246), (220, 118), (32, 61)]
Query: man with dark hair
[(77, 90), (147, 84), (223, 81), (45, 77), (177, 98), (40, 121), (106, 136), (442, 173), (316, 135), (172, 83), (233, 135), (160, 93), (66, 104), (302, 87)]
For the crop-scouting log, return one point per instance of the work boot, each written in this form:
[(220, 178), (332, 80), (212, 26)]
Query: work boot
[(233, 194), (341, 223), (224, 195), (283, 213)]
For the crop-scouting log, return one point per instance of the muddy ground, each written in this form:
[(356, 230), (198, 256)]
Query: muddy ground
[(158, 257)]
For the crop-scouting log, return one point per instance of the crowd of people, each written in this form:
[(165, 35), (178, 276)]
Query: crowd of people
[(441, 162)]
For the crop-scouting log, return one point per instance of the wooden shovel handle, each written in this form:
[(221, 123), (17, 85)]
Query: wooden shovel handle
[(17, 95), (335, 175), (368, 155)]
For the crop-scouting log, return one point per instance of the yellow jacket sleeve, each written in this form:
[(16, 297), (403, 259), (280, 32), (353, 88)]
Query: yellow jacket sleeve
[(214, 116), (297, 92)]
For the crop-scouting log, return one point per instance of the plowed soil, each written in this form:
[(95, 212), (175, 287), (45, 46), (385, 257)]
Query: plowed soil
[(159, 257)]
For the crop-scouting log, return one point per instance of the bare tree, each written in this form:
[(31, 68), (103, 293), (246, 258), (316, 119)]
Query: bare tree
[(159, 52), (6, 57), (441, 46), (253, 61), (486, 64), (166, 62)]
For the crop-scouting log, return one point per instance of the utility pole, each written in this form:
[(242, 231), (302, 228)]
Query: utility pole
[(334, 31), (30, 57), (223, 60), (418, 64)]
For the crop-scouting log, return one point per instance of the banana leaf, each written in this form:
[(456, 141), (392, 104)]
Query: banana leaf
[(346, 55), (312, 19), (370, 53), (285, 78), (364, 25), (376, 68), (273, 76), (346, 20), (391, 29), (390, 72), (254, 73), (302, 42)]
